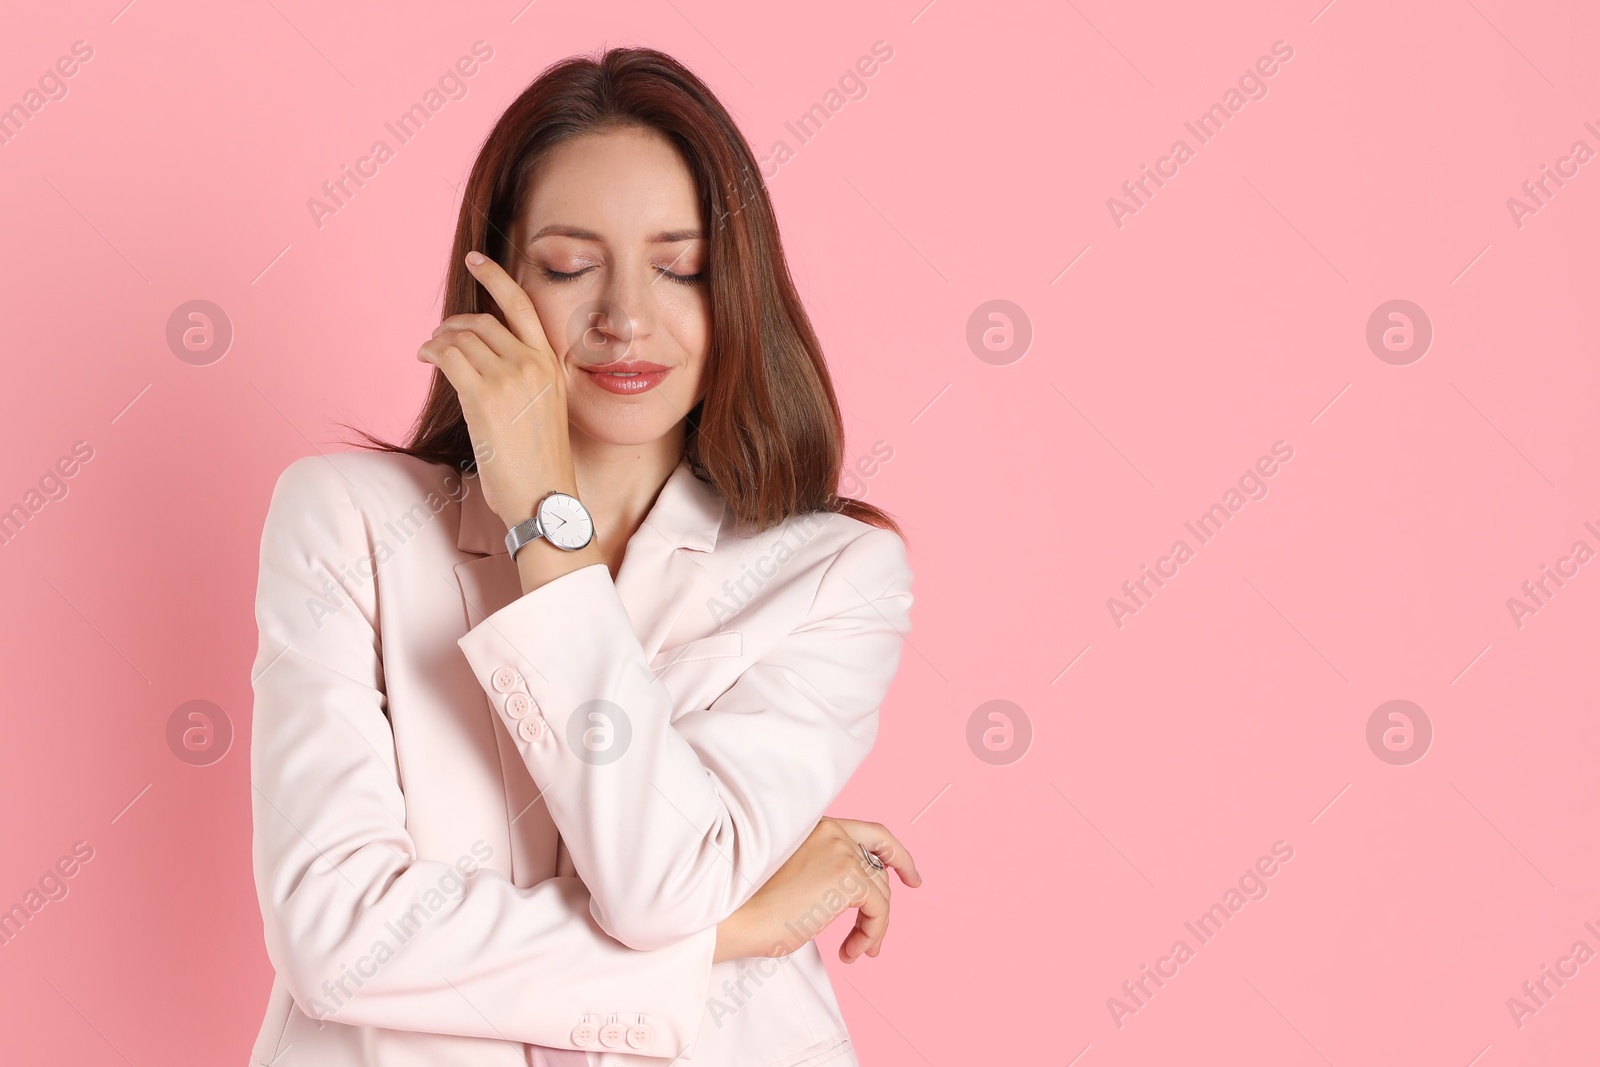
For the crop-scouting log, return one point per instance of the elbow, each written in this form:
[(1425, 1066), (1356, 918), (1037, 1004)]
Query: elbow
[(328, 988), (644, 938), (306, 974), (654, 906), (649, 924), (649, 932), (316, 957)]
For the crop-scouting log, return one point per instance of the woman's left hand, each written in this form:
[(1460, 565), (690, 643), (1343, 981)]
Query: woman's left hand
[(823, 878), (513, 393)]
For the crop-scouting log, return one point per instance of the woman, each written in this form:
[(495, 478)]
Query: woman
[(550, 700)]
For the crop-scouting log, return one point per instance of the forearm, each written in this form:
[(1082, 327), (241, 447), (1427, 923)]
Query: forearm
[(498, 962), (664, 849), (685, 817)]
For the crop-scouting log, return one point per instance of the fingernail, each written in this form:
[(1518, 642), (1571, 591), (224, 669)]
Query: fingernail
[(475, 258)]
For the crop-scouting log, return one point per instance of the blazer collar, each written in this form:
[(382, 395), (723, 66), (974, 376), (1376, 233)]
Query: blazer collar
[(687, 512)]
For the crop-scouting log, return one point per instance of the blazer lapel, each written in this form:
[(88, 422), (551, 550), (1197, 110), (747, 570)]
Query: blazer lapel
[(660, 569), (655, 583)]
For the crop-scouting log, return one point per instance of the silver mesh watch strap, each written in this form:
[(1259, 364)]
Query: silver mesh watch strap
[(523, 533)]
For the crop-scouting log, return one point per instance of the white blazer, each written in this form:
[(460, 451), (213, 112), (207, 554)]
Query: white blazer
[(500, 829)]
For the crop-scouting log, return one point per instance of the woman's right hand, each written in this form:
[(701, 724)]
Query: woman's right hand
[(827, 875)]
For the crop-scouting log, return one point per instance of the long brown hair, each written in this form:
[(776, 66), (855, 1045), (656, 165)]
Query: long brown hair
[(768, 433)]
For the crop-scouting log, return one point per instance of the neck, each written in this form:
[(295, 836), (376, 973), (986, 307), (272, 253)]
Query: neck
[(619, 483)]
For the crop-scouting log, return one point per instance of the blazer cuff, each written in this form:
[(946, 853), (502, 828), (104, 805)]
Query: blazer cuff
[(565, 670), (671, 1030)]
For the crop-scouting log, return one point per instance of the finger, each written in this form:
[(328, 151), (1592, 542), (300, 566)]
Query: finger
[(486, 326), (453, 362), (872, 922), (870, 896), (879, 930), (850, 948), (512, 299), (877, 840), (485, 360)]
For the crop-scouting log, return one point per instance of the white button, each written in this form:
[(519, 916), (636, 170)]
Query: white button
[(518, 705), (504, 679), (612, 1034), (531, 728), (583, 1035), (640, 1035)]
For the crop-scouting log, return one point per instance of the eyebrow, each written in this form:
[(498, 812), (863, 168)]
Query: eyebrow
[(564, 230)]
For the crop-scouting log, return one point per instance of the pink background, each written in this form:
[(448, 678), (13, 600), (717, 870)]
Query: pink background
[(1228, 313)]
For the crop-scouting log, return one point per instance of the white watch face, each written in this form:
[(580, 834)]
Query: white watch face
[(565, 522)]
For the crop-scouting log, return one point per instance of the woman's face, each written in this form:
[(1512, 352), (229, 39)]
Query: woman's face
[(613, 253)]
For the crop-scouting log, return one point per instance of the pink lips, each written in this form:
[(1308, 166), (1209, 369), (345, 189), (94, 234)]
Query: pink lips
[(626, 377)]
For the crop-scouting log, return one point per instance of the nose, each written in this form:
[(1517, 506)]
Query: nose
[(629, 299)]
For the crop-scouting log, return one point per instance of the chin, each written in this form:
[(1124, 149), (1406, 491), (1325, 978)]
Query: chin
[(612, 430), (621, 420)]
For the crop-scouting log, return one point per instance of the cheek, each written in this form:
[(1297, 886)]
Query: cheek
[(555, 315), (689, 320)]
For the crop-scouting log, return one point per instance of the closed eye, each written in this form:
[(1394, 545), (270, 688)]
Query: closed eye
[(567, 276)]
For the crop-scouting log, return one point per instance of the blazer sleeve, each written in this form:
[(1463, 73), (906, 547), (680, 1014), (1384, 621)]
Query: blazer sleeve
[(360, 929), (695, 815)]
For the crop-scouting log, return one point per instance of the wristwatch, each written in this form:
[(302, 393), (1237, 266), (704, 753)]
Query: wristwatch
[(559, 519)]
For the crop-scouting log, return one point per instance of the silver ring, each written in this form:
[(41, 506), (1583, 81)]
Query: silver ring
[(871, 859)]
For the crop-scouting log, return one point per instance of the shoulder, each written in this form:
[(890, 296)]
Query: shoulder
[(339, 498), (857, 559), (363, 481)]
